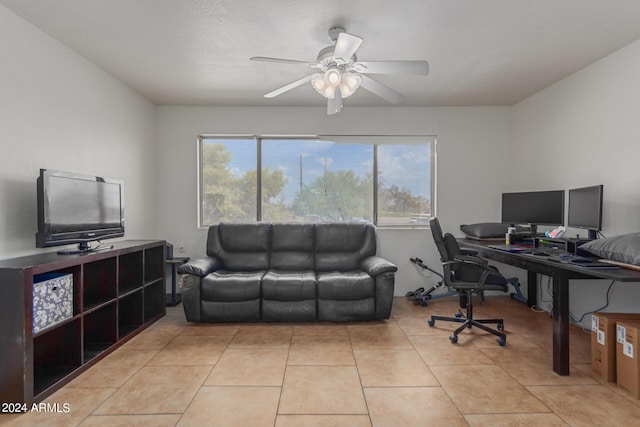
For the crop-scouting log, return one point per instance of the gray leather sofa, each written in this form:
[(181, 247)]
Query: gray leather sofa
[(288, 272)]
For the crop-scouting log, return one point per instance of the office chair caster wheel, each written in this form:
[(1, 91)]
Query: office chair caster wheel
[(458, 314), (453, 339), (501, 342), (501, 326), (431, 322)]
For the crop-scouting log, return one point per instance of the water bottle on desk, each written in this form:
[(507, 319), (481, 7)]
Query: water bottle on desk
[(507, 237)]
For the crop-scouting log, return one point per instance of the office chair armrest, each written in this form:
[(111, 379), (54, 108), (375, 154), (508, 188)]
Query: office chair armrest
[(475, 275), (472, 259), (460, 260), (470, 252)]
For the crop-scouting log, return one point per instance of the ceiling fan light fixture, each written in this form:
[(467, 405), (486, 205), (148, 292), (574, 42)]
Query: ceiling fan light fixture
[(329, 92), (332, 77), (318, 83), (350, 83)]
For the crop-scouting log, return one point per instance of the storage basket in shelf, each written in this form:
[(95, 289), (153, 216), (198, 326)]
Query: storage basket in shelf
[(52, 299)]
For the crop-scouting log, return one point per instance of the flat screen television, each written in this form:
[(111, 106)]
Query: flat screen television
[(585, 209), (78, 209), (533, 208)]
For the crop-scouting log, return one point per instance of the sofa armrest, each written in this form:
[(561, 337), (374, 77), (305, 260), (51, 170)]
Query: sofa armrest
[(201, 267), (375, 265)]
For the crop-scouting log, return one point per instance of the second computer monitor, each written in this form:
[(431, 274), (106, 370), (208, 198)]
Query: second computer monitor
[(585, 209), (533, 208)]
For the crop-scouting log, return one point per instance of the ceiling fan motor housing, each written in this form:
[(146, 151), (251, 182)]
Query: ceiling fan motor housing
[(326, 60)]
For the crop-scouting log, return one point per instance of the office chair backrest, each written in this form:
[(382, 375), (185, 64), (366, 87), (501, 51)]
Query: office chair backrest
[(447, 245), (438, 238)]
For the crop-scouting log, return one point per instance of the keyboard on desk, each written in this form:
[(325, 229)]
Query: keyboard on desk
[(511, 248)]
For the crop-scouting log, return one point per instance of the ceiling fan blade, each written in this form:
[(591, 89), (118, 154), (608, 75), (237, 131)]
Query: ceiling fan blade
[(288, 61), (393, 67), (334, 106), (346, 46), (381, 90), (288, 87)]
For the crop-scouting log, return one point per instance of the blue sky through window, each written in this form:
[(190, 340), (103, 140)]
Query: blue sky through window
[(405, 165), (314, 155)]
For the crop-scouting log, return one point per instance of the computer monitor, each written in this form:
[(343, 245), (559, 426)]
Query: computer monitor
[(533, 208), (585, 209)]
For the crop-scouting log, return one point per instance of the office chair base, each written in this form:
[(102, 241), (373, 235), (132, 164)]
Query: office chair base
[(469, 322)]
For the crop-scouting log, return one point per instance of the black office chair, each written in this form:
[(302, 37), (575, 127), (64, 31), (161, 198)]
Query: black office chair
[(468, 275)]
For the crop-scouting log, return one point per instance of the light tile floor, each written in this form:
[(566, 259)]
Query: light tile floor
[(397, 372)]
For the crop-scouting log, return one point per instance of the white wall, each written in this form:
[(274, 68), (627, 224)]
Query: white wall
[(59, 111), (581, 131), (473, 144)]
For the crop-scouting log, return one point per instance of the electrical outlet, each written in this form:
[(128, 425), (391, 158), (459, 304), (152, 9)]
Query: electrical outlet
[(181, 247)]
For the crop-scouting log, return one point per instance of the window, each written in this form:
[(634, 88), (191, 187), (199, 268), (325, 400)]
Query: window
[(404, 183), (227, 180), (385, 180), (322, 180)]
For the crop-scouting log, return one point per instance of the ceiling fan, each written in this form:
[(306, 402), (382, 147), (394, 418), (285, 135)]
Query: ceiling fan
[(341, 74)]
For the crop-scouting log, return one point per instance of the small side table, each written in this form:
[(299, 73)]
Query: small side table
[(173, 298)]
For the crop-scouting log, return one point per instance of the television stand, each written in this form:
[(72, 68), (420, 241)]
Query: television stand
[(116, 294)]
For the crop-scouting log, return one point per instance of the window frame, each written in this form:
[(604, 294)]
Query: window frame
[(431, 140)]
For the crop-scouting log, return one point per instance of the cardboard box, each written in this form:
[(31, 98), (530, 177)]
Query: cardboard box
[(627, 360), (52, 299), (603, 342)]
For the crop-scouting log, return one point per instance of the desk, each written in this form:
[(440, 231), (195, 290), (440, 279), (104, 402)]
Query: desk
[(560, 273)]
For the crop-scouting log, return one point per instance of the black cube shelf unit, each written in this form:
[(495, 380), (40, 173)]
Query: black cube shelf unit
[(116, 294)]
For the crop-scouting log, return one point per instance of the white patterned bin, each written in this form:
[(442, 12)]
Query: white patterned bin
[(52, 299)]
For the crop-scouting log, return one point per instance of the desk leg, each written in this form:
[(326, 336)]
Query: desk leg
[(532, 288), (561, 323)]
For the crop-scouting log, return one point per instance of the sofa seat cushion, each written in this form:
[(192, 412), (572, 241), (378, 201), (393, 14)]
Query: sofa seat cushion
[(289, 285), (228, 286), (346, 286)]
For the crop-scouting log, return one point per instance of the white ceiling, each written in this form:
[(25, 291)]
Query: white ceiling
[(196, 52)]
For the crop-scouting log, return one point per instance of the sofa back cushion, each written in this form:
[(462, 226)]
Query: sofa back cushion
[(341, 246), (241, 247), (292, 247)]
